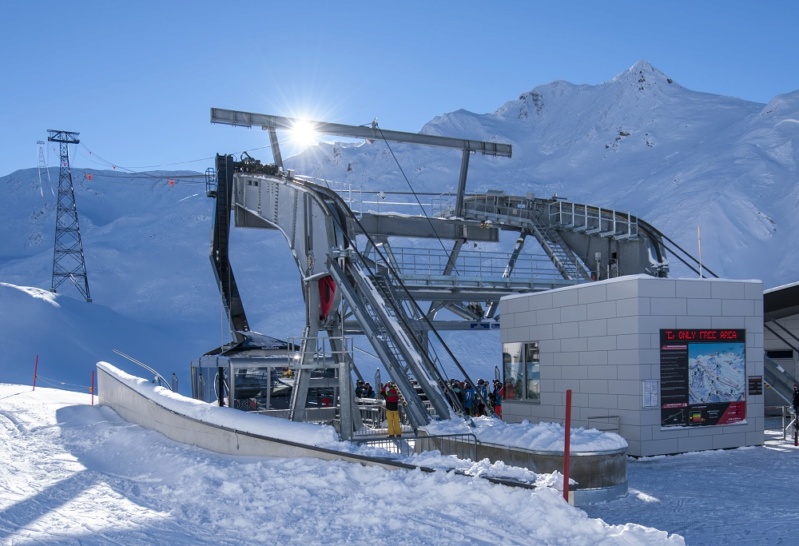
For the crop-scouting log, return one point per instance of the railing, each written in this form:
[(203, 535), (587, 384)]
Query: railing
[(788, 413), (322, 416), (463, 446), (592, 219), (473, 265), (505, 206), (324, 355), (373, 415), (518, 210), (413, 204), (558, 213)]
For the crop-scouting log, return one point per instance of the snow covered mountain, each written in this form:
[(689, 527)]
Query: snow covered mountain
[(640, 142)]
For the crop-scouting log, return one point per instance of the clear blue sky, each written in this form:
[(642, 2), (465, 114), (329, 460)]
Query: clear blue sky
[(137, 79)]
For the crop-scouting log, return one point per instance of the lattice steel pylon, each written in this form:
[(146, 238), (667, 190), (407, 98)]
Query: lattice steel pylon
[(44, 171), (68, 259)]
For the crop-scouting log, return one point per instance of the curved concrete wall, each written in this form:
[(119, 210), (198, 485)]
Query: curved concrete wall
[(137, 408), (599, 476)]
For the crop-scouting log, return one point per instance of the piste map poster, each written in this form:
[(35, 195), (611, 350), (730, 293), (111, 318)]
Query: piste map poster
[(702, 377)]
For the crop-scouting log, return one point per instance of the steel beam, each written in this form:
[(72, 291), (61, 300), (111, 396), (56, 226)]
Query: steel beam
[(371, 132)]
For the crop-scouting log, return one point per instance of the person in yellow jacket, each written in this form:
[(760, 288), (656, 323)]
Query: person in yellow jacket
[(391, 394)]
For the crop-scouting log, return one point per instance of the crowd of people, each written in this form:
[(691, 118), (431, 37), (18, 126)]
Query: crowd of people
[(461, 394), (364, 390), (473, 399)]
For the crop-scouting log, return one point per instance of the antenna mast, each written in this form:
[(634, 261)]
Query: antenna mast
[(68, 260)]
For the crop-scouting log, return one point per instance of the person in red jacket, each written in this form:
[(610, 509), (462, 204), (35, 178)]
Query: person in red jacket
[(391, 394)]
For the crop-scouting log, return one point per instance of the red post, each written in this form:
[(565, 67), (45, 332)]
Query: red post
[(35, 371), (566, 444), (91, 387)]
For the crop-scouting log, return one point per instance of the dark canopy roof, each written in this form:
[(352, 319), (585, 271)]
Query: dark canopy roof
[(781, 302)]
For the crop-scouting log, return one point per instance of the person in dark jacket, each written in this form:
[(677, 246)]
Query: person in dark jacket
[(497, 398), (391, 394), (482, 390), (468, 400), (368, 391), (796, 405)]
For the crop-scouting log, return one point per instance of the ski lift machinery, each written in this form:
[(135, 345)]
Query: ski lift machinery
[(337, 280)]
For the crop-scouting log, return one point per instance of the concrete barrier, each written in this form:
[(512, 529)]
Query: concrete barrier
[(599, 475), (136, 407)]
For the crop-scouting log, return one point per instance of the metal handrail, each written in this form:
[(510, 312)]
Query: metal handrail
[(463, 446), (158, 377), (431, 262)]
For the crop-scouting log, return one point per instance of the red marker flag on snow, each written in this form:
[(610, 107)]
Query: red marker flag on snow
[(171, 182)]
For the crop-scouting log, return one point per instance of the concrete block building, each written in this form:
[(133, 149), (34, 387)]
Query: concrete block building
[(673, 365)]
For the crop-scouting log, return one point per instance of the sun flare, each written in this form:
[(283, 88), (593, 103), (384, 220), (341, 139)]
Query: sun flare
[(303, 134)]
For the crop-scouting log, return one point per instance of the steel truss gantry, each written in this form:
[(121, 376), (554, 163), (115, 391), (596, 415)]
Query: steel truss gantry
[(382, 289)]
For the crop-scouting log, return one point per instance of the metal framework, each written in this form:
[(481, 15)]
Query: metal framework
[(372, 132), (379, 288), (68, 259)]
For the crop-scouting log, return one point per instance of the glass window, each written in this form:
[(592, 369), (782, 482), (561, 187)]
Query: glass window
[(532, 373), (513, 371), (520, 367)]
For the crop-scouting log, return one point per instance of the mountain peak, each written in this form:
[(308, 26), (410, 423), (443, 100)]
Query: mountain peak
[(642, 75)]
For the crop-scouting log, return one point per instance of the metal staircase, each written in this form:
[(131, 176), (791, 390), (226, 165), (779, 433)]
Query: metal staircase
[(319, 228), (398, 349), (779, 380), (583, 241), (559, 252), (776, 376)]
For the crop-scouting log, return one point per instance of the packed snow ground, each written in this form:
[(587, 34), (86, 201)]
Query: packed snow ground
[(75, 473), (78, 474), (728, 497)]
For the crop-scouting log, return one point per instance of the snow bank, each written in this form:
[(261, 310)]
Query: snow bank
[(534, 437)]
